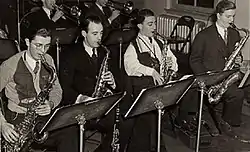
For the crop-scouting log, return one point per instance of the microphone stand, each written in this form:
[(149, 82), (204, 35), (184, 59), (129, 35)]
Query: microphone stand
[(18, 22)]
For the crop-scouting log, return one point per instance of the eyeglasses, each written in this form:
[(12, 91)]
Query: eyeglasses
[(40, 46)]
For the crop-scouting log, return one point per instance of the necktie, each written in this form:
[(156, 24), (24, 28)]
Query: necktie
[(94, 57), (52, 13), (150, 39), (225, 35), (36, 67)]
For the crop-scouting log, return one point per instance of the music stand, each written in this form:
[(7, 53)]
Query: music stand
[(157, 98), (204, 80), (80, 113), (245, 80), (63, 36)]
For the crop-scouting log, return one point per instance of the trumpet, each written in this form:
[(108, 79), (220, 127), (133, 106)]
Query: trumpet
[(73, 13), (126, 7)]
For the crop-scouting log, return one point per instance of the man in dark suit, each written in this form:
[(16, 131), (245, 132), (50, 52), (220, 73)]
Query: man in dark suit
[(100, 9), (79, 72), (210, 51)]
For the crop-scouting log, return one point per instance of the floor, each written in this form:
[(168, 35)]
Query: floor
[(222, 143)]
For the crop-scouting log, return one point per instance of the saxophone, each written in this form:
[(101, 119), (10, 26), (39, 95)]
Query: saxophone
[(215, 92), (26, 128), (101, 89), (165, 71)]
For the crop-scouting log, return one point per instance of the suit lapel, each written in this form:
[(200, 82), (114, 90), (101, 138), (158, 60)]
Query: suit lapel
[(222, 48)]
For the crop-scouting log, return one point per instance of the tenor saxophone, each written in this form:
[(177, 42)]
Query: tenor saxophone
[(215, 92), (25, 129)]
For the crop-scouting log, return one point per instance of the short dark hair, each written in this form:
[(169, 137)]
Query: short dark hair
[(39, 32), (224, 5), (85, 23), (142, 14)]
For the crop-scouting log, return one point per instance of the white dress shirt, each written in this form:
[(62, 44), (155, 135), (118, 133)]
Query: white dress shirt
[(221, 30), (131, 63)]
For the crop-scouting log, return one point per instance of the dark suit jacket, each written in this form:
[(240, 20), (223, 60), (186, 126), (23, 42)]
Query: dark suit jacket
[(78, 73), (209, 51)]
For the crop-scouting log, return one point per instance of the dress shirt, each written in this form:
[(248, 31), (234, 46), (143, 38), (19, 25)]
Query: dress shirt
[(89, 49), (100, 7), (221, 30), (131, 63), (47, 11)]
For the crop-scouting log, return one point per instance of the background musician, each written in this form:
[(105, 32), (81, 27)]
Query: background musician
[(142, 60), (106, 15), (23, 76), (210, 51)]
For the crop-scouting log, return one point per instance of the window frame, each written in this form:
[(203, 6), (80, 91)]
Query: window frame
[(188, 8)]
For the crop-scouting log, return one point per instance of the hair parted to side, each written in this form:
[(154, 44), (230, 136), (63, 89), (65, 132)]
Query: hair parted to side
[(224, 5), (43, 32), (92, 18), (142, 14), (221, 7)]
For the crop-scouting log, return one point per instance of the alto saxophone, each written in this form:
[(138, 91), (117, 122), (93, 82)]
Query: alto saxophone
[(165, 70), (215, 92), (101, 89), (26, 128)]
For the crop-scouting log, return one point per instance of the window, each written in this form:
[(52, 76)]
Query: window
[(203, 6)]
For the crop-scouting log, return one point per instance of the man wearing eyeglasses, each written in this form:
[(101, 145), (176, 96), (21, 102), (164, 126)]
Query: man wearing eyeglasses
[(23, 76)]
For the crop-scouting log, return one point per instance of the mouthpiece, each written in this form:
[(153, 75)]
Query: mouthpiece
[(233, 25)]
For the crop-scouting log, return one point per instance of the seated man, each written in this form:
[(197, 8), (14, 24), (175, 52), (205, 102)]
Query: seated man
[(142, 61), (80, 72), (24, 76), (210, 51)]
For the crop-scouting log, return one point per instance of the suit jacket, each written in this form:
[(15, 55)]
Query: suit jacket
[(209, 51), (78, 73), (95, 10)]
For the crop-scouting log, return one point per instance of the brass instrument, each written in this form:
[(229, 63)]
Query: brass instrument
[(101, 89), (26, 129), (165, 71), (215, 92), (73, 13), (3, 34), (126, 7)]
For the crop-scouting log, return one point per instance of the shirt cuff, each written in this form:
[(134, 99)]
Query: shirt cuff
[(149, 71)]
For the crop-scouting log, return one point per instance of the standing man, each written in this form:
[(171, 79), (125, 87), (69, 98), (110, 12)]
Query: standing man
[(142, 61), (23, 76), (210, 51)]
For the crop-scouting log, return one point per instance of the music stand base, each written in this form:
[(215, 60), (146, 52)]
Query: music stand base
[(159, 105), (81, 121)]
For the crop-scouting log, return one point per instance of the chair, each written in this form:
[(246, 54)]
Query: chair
[(183, 23), (8, 49)]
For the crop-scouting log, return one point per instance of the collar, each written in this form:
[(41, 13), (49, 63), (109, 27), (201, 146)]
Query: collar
[(89, 49), (99, 6), (145, 38), (31, 62), (220, 29), (47, 11)]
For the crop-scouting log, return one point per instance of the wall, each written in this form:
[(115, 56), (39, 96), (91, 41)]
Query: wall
[(242, 18)]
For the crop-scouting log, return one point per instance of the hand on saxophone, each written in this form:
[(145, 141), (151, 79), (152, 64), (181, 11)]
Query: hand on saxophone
[(158, 79), (9, 133), (109, 78), (44, 109), (58, 14), (169, 62), (238, 60)]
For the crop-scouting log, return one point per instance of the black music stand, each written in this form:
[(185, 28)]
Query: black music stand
[(80, 113), (245, 80), (62, 36), (157, 98), (204, 80)]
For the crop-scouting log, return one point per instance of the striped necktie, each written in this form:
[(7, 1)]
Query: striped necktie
[(36, 67), (225, 35)]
